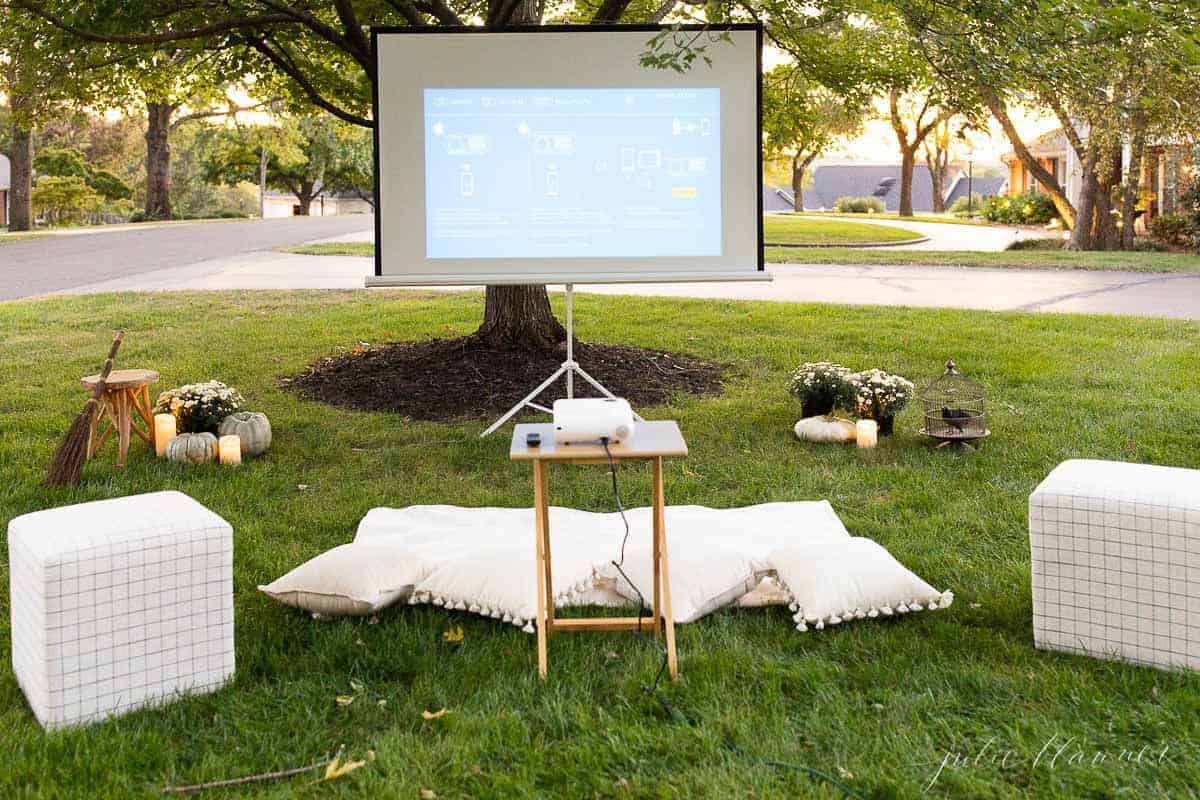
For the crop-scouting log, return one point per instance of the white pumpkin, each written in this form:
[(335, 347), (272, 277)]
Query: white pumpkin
[(192, 448), (825, 429), (253, 428)]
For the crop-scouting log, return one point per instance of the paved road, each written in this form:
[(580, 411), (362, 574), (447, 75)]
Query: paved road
[(69, 261)]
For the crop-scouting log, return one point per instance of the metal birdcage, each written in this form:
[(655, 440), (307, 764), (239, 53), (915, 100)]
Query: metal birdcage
[(954, 408)]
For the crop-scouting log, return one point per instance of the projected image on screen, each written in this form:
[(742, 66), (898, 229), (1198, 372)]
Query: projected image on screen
[(557, 173)]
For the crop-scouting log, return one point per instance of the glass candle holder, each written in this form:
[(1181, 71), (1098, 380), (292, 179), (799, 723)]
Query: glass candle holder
[(164, 433), (866, 433), (229, 448)]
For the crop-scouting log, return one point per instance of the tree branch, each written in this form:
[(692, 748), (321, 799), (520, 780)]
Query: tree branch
[(224, 26), (610, 11), (262, 46)]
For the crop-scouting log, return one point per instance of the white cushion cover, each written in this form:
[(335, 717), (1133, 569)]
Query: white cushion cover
[(352, 579), (837, 581), (118, 604)]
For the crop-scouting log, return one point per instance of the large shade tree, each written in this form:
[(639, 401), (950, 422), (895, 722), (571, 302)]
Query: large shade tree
[(320, 50)]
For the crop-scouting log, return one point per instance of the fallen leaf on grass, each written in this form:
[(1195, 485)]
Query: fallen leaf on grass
[(453, 635), (357, 686), (336, 769), (344, 699), (302, 486), (434, 714), (428, 794)]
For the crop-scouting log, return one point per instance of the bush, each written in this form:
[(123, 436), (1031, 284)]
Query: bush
[(1036, 243), (859, 205), (1170, 229), (1143, 245), (1027, 208), (959, 206), (61, 201), (1189, 202)]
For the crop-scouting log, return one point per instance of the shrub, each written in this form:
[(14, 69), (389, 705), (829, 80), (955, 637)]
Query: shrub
[(959, 206), (60, 201), (1189, 202), (199, 407), (1144, 245), (1027, 208), (1170, 229), (1036, 243), (859, 205)]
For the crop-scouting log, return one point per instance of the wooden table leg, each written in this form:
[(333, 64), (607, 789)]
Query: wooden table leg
[(141, 404), (663, 565), (125, 419), (540, 517), (546, 553)]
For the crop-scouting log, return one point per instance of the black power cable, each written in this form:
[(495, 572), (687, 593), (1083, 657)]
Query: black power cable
[(652, 689)]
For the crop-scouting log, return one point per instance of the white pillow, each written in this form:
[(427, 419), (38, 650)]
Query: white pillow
[(769, 592), (837, 581), (349, 580), (700, 582)]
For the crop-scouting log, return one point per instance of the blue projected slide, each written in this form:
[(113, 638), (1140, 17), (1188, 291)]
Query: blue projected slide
[(572, 173)]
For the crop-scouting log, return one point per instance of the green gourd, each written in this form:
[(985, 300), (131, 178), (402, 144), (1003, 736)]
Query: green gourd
[(253, 428), (192, 448)]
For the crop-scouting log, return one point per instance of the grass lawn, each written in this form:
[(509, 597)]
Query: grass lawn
[(18, 236), (1018, 259), (878, 704)]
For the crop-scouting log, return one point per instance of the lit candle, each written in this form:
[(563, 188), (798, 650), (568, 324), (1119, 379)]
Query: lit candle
[(230, 450), (866, 433), (164, 432)]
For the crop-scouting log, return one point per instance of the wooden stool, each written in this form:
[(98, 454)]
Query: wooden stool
[(127, 391)]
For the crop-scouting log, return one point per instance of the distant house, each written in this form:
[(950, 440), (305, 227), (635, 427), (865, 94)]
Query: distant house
[(776, 200), (5, 185), (978, 185), (1165, 170), (833, 180), (277, 204)]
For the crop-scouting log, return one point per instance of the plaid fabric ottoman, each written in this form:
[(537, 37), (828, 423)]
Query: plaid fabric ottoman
[(1115, 550), (118, 604)]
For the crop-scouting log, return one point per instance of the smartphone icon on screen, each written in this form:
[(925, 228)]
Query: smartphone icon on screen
[(627, 159), (466, 183)]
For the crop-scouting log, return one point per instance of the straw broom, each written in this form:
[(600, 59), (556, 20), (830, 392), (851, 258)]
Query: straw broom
[(67, 464)]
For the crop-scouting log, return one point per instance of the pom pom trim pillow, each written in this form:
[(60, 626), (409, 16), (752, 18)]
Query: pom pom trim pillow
[(838, 581), (350, 580)]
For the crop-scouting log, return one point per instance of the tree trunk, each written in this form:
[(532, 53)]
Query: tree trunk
[(263, 158), (1044, 177), (158, 160), (1081, 234), (519, 317), (1133, 184), (304, 197), (20, 196), (800, 165), (908, 160), (937, 177)]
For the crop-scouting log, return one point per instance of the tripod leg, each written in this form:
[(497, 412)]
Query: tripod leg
[(528, 399)]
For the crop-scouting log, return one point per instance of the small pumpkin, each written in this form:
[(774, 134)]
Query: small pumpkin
[(253, 428), (192, 448)]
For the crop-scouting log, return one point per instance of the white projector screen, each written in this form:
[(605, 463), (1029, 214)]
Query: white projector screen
[(550, 155)]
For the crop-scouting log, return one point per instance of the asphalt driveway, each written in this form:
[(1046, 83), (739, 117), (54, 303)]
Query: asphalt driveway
[(71, 260)]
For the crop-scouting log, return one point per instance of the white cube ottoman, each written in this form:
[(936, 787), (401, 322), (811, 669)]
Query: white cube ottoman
[(118, 604), (1116, 562)]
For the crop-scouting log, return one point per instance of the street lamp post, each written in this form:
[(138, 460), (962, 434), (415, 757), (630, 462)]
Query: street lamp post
[(970, 186)]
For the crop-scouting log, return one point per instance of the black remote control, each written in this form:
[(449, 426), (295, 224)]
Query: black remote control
[(533, 440)]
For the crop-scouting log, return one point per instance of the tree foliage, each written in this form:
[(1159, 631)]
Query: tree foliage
[(67, 162)]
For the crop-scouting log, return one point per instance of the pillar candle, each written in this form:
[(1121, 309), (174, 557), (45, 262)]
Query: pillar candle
[(866, 433), (230, 450), (164, 432)]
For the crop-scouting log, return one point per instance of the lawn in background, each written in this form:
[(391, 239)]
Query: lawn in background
[(878, 704), (948, 219)]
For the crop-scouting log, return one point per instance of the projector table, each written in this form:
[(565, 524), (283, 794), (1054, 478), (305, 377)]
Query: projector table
[(651, 441)]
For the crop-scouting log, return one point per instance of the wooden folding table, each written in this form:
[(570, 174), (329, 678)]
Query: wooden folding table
[(651, 441)]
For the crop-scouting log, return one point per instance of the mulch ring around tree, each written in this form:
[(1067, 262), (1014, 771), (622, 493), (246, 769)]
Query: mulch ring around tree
[(440, 380)]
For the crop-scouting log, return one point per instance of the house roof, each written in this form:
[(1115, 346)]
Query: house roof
[(1051, 143), (984, 187), (831, 181), (5, 174), (776, 199)]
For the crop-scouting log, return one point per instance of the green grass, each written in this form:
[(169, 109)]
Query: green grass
[(1015, 259), (811, 231), (18, 236), (880, 703), (332, 249)]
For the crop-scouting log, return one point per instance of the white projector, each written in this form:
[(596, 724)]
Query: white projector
[(592, 419)]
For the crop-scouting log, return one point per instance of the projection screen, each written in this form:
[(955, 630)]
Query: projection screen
[(550, 155)]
